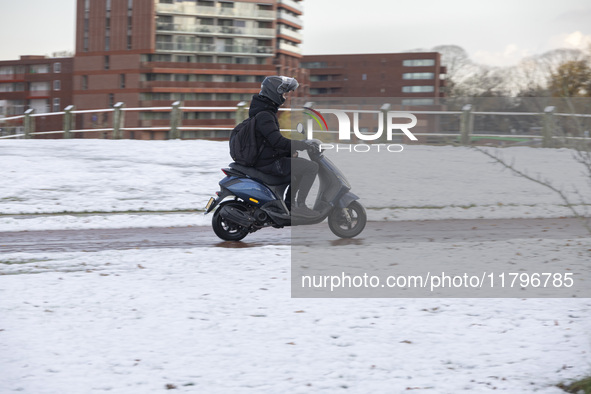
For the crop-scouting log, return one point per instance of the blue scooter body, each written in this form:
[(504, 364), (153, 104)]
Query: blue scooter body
[(248, 189)]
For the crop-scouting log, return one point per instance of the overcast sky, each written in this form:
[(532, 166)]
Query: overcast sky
[(498, 32)]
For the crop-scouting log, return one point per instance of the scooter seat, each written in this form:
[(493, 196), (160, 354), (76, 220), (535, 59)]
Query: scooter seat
[(252, 172)]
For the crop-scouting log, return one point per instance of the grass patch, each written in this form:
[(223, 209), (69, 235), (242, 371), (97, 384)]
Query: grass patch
[(15, 262), (12, 199), (579, 386)]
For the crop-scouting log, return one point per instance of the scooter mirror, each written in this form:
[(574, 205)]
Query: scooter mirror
[(300, 128)]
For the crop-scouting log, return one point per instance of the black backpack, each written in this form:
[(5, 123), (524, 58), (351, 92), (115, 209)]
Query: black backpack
[(244, 147)]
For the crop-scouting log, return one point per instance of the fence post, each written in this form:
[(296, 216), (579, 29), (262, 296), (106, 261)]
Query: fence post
[(176, 116), (28, 123), (68, 121), (241, 112), (118, 120), (466, 124), (548, 127)]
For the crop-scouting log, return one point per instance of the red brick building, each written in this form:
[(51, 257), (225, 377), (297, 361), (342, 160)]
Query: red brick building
[(203, 53), (416, 76), (151, 53), (43, 84), (406, 81)]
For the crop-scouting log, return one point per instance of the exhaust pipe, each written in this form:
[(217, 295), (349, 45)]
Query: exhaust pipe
[(237, 216)]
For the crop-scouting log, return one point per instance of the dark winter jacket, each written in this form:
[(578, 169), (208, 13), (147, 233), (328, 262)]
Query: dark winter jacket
[(276, 146)]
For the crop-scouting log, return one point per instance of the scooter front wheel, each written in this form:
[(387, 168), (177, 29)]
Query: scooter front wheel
[(225, 229), (348, 223)]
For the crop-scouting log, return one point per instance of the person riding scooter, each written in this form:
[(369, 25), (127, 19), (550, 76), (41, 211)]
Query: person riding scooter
[(277, 155)]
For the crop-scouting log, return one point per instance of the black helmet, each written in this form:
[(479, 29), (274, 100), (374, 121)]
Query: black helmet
[(275, 87)]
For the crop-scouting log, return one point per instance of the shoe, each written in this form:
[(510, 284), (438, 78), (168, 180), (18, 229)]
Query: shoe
[(303, 211)]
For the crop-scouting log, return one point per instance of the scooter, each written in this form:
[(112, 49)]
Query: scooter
[(257, 200)]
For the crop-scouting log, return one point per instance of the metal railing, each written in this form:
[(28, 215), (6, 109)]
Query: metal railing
[(548, 134), (215, 30), (289, 17), (212, 48), (290, 33), (290, 3), (240, 11)]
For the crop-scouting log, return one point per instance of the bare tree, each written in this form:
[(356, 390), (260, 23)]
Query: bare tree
[(546, 183), (459, 67)]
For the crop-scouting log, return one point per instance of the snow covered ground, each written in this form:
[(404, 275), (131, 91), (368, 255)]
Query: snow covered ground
[(205, 321), (422, 182), (221, 320)]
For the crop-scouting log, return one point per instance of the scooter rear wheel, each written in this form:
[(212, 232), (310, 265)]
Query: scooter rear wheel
[(341, 227), (226, 230)]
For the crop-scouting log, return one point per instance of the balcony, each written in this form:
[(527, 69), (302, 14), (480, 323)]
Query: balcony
[(289, 18), (334, 83), (214, 49), (283, 46), (12, 77), (290, 33), (292, 4), (215, 30), (241, 10)]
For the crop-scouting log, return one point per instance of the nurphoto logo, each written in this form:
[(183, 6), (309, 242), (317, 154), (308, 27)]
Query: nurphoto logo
[(344, 129)]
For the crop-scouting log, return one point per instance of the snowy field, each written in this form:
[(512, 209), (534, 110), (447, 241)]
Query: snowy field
[(421, 183), (221, 320), (204, 321)]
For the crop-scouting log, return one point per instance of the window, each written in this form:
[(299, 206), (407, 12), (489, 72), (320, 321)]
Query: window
[(314, 91), (204, 59), (184, 59), (165, 1), (313, 65), (57, 67), (39, 69), (364, 77), (422, 101), (243, 60), (108, 27), (418, 89), (56, 105), (223, 115), (107, 62), (111, 100), (227, 4), (418, 63), (122, 81), (84, 82), (181, 77), (129, 23), (418, 76), (57, 85)]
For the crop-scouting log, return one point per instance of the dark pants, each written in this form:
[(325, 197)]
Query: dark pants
[(303, 173)]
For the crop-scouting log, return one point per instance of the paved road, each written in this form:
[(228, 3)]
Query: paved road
[(375, 232)]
